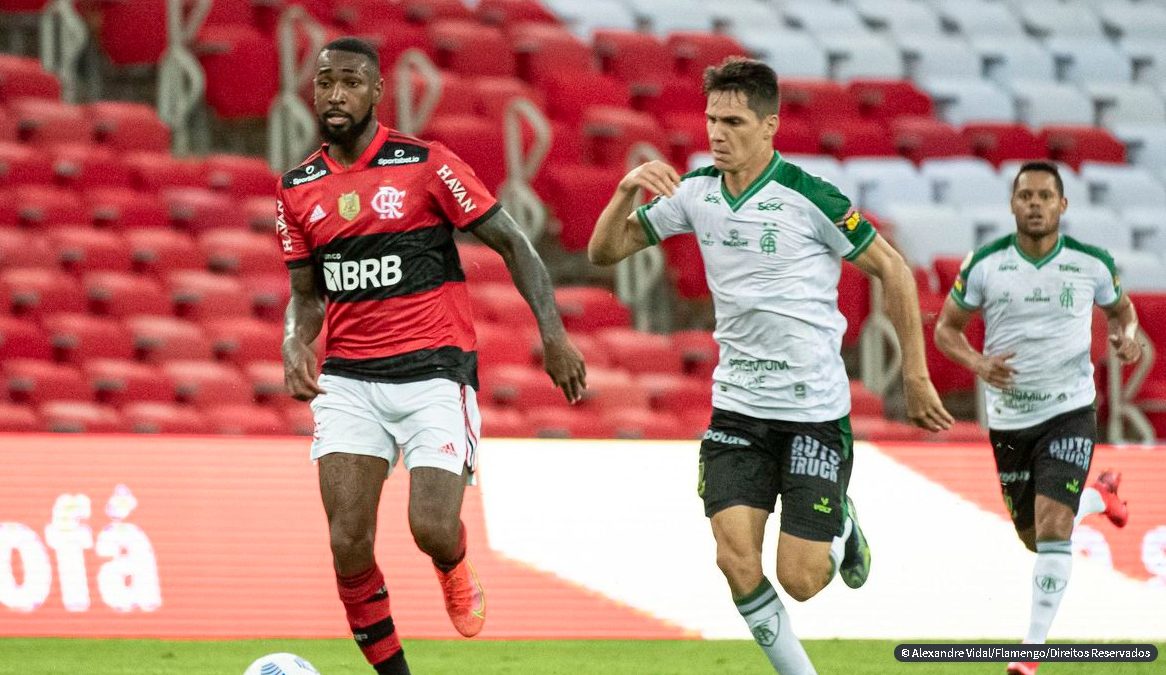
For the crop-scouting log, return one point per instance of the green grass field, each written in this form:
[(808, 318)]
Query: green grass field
[(435, 657)]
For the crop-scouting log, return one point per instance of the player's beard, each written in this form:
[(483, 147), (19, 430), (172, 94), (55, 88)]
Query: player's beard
[(347, 136)]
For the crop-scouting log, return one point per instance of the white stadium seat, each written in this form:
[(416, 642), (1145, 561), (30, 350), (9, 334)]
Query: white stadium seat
[(1124, 103), (1149, 230), (665, 16), (1119, 186), (1145, 144), (1098, 227), (900, 17), (828, 169), (885, 181), (1053, 17), (582, 18), (791, 53), (828, 22), (964, 181), (1148, 58), (922, 233), (1008, 59), (871, 56), (976, 17), (736, 15), (928, 58), (1039, 103), (990, 221), (1133, 19), (1090, 60), (1141, 271), (960, 101)]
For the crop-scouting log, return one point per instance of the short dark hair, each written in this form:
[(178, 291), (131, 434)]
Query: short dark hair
[(355, 45), (1047, 167), (754, 79)]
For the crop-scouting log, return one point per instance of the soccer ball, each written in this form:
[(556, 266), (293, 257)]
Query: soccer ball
[(281, 664)]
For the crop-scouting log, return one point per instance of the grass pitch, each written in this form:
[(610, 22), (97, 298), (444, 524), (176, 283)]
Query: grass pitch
[(59, 656)]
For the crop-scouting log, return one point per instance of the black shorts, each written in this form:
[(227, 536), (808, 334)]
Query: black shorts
[(1050, 459), (749, 461)]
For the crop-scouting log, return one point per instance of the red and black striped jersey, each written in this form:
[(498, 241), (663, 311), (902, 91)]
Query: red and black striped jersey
[(379, 235)]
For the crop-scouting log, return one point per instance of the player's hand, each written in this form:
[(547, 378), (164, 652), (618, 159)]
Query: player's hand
[(655, 176), (564, 364), (995, 370), (299, 371), (924, 408), (1128, 350)]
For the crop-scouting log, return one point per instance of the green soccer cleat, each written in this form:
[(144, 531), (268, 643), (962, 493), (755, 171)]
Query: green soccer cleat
[(856, 556)]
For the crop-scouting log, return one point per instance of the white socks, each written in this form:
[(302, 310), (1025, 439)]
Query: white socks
[(769, 623), (1050, 577), (838, 546), (1090, 503)]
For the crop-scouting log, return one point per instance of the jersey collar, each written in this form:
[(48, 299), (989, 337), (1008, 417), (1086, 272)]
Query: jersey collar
[(759, 182), (1039, 263), (361, 162)]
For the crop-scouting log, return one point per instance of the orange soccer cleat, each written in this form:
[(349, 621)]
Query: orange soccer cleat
[(1022, 668), (465, 601), (1115, 509)]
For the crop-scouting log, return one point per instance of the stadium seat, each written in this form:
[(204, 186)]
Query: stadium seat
[(44, 208), (428, 11), (507, 12), (482, 264), (471, 49), (666, 16), (1089, 60), (642, 424), (81, 167), (43, 122), (19, 418), (871, 428), (1046, 18), (128, 127), (1141, 271), (158, 339), (34, 381), (1044, 103), (493, 95), (148, 417), (21, 338), (964, 101), (1006, 60), (576, 195), (157, 171), (267, 382), (1073, 145), (20, 249), (965, 181), (887, 99), (979, 17), (824, 21), (923, 231), (120, 294), (999, 142), (791, 53), (24, 165), (245, 420), (845, 138), (543, 49), (586, 308), (206, 383), (920, 138), (864, 401), (239, 176), (608, 388), (961, 432), (929, 59), (817, 100), (900, 17), (639, 352), (120, 382), (1122, 187), (698, 350), (522, 387), (259, 213), (1147, 227), (82, 417), (584, 18), (677, 394), (593, 351), (269, 295), (563, 422), (639, 59), (947, 268), (122, 209), (42, 291), (501, 344), (242, 340), (853, 302), (693, 51), (497, 422), (1123, 103), (1145, 143), (299, 420), (882, 182), (477, 141), (241, 252), (865, 56), (611, 132), (122, 37), (242, 70), (570, 94), (198, 210), (162, 251), (80, 337), (86, 250), (22, 77), (501, 303), (204, 295)]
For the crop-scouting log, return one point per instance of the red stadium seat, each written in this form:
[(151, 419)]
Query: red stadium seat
[(242, 70), (946, 271), (501, 303), (998, 141), (699, 351), (197, 210), (82, 417), (817, 100), (267, 382), (608, 388), (482, 264), (504, 12), (492, 95), (81, 167), (594, 353), (19, 418), (863, 401), (587, 308), (544, 50), (44, 122), (242, 340), (961, 432), (23, 77), (855, 138), (80, 337), (496, 423), (20, 338), (477, 141), (576, 195), (642, 424), (207, 383), (160, 251), (299, 420), (639, 352), (119, 208), (242, 253), (853, 302), (156, 171), (35, 381), (677, 394), (611, 132), (20, 249), (246, 420), (86, 250), (165, 418), (694, 51), (639, 59), (686, 267), (8, 133), (919, 138), (798, 135), (42, 291), (269, 295), (571, 422), (204, 295), (469, 48), (158, 339), (868, 428), (119, 382), (43, 207), (24, 165), (889, 99), (122, 37), (259, 212), (688, 133), (128, 127), (570, 94), (120, 294), (500, 344), (1073, 145), (240, 176), (521, 387)]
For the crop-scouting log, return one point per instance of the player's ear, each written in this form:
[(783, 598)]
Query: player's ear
[(378, 90)]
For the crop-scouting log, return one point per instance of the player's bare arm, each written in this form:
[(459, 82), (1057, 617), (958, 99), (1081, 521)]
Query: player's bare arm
[(1123, 330), (879, 260), (951, 340), (302, 323), (618, 233), (562, 361)]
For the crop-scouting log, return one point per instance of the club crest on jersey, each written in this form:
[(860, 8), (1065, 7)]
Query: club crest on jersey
[(388, 202), (348, 205)]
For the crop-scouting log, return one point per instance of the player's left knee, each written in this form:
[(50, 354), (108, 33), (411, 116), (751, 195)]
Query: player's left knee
[(802, 584), (435, 536)]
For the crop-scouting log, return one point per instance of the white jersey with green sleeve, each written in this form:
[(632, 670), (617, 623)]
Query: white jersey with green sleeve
[(1043, 311), (772, 257)]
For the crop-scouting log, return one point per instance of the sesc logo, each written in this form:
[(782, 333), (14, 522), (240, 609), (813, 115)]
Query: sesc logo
[(353, 275)]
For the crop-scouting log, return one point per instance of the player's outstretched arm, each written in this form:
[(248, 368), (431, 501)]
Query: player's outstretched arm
[(1123, 330), (950, 339), (618, 233), (302, 322), (562, 361), (924, 408)]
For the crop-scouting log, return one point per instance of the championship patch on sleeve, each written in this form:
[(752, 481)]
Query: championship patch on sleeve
[(850, 221), (959, 285)]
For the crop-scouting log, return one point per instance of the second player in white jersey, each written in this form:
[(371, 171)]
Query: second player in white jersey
[(773, 256), (1042, 311)]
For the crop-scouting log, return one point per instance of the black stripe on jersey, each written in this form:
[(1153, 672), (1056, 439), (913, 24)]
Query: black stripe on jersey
[(388, 264), (308, 173), (400, 154), (448, 363)]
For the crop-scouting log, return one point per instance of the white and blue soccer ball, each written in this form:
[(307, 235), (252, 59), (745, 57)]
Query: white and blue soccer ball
[(281, 664)]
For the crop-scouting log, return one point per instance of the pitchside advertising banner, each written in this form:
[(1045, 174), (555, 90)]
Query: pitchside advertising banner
[(225, 538)]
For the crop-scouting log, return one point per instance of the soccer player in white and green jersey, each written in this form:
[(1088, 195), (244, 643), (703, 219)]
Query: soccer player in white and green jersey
[(773, 238), (1036, 290)]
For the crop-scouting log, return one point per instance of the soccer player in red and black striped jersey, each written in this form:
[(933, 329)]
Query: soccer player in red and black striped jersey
[(366, 225)]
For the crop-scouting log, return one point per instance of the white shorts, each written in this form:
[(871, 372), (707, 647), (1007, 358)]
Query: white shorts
[(434, 423)]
